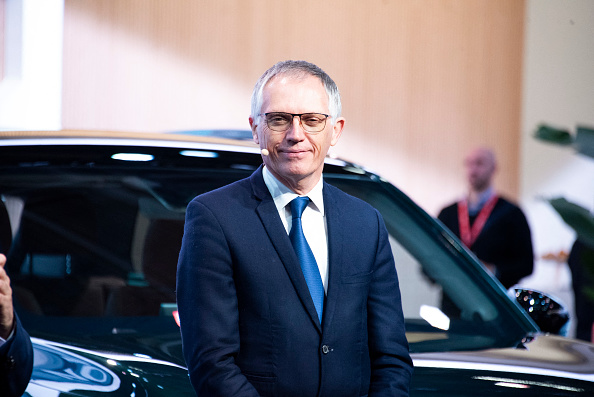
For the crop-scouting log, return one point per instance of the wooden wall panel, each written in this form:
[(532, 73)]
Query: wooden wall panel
[(422, 81)]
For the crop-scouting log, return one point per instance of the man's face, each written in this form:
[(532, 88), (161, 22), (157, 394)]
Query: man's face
[(295, 156), (480, 167)]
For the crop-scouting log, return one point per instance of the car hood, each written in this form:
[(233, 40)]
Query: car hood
[(545, 365), (63, 369)]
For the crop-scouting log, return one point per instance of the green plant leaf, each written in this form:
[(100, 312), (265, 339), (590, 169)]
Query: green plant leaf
[(553, 135), (584, 141), (577, 217)]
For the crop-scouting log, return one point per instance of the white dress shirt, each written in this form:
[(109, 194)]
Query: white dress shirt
[(3, 341), (313, 219)]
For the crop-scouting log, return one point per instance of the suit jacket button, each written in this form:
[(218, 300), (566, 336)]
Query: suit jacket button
[(10, 363), (326, 349)]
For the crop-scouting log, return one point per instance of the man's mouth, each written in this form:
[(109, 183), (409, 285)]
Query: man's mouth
[(291, 152)]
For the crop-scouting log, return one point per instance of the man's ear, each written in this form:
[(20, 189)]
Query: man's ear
[(337, 130), (254, 127)]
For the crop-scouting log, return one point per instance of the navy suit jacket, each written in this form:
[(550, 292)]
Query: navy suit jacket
[(16, 362), (249, 326)]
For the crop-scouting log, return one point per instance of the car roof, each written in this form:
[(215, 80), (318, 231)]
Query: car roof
[(211, 140), (44, 136)]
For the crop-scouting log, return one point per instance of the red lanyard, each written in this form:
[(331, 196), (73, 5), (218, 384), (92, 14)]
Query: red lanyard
[(468, 235)]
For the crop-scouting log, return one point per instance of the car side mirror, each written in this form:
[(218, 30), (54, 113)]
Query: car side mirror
[(550, 315)]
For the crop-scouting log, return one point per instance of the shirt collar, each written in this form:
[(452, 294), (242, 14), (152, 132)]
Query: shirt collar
[(282, 195)]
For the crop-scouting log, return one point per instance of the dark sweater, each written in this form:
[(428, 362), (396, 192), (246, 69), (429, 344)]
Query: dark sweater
[(504, 241)]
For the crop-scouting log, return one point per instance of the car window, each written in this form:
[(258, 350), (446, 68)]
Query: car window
[(97, 245), (449, 303)]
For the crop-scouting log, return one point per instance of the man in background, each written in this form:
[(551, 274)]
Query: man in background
[(581, 265), (16, 351), (492, 227)]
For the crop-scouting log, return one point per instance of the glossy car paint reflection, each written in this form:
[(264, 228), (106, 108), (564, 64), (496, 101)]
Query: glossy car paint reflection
[(454, 382), (541, 366), (66, 370)]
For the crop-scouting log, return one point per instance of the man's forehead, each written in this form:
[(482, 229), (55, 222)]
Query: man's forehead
[(289, 77), (295, 89)]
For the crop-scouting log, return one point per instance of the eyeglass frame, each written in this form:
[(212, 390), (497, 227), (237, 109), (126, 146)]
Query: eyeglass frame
[(300, 121)]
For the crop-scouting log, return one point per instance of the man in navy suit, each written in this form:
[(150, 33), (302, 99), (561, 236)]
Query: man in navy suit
[(16, 352), (254, 321)]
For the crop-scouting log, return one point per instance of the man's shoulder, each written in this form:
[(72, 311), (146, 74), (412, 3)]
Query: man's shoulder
[(342, 198), (505, 204), (229, 189), (503, 200), (449, 209), (237, 189)]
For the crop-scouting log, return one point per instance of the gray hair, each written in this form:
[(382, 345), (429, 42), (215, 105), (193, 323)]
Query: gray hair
[(297, 69)]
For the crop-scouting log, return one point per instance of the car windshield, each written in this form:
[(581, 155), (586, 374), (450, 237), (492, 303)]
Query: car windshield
[(92, 243)]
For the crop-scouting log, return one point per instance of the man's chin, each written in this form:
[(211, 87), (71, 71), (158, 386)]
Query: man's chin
[(291, 172)]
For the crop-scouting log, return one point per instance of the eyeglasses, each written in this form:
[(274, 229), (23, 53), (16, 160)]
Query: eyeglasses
[(312, 123)]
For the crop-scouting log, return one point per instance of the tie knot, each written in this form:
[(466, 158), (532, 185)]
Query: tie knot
[(298, 206)]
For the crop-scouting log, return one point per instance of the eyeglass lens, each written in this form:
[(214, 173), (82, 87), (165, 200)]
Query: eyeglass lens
[(281, 122)]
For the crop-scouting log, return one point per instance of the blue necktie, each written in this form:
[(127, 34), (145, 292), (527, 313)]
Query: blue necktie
[(309, 267)]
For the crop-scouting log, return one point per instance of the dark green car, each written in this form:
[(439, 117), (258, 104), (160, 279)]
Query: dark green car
[(94, 221)]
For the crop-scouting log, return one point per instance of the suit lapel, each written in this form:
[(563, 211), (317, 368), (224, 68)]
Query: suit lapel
[(336, 247), (268, 214)]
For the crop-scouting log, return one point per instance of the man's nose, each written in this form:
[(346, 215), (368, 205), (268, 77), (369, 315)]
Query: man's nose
[(296, 130)]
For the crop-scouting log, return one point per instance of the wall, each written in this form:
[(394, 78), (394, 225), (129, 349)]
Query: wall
[(559, 90), (422, 81), (31, 82), (2, 29)]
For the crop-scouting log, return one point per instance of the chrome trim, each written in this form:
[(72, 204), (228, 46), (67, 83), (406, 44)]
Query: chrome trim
[(518, 369)]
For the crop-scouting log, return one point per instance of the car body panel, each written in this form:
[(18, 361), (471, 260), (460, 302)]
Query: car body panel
[(63, 368), (544, 364), (96, 331)]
